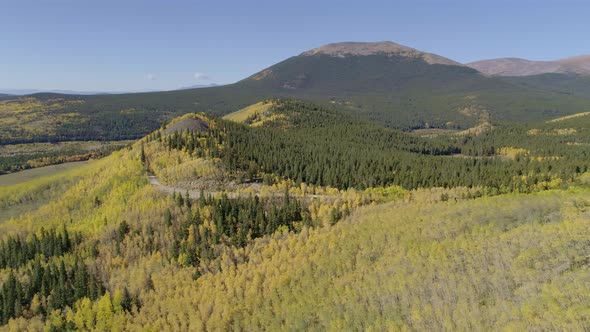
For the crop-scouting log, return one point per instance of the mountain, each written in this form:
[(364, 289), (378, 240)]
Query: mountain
[(383, 82), (23, 92), (352, 67), (404, 88), (522, 67), (197, 86), (582, 63)]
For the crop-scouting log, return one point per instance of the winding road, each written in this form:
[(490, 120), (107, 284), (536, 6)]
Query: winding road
[(196, 194)]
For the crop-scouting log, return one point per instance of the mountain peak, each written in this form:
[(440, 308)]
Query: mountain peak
[(360, 48), (370, 48)]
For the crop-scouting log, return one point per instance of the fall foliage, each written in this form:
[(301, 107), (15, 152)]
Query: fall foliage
[(257, 248)]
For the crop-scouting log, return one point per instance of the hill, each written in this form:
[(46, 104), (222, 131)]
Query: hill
[(285, 139), (566, 84), (311, 231), (579, 65)]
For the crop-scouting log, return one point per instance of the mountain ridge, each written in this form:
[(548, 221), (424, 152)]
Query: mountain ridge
[(27, 92), (577, 65)]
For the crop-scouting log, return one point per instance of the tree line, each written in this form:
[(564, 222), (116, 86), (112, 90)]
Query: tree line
[(232, 222), (41, 278)]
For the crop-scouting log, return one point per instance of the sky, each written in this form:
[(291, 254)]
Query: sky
[(128, 45)]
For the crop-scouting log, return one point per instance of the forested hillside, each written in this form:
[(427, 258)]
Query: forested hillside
[(291, 215), (111, 252), (316, 145), (446, 266), (103, 235)]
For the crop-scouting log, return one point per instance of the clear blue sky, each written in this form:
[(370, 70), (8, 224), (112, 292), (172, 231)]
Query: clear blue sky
[(107, 45)]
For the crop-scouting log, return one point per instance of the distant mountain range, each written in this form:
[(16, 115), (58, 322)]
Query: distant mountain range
[(21, 92), (579, 65)]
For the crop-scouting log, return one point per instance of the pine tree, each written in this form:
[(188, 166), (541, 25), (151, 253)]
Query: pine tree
[(142, 155)]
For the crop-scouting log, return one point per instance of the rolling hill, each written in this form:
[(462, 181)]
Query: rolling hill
[(310, 232), (567, 84), (521, 67)]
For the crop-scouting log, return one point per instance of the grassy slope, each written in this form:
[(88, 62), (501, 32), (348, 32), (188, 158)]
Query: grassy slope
[(256, 114), (17, 199), (247, 112), (31, 174)]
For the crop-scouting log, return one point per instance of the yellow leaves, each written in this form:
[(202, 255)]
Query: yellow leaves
[(84, 316), (104, 313), (533, 132), (282, 229), (118, 298), (118, 181), (509, 262), (554, 183), (387, 193), (584, 178), (191, 235), (54, 321), (183, 259), (564, 131), (116, 262), (412, 266), (28, 116), (512, 152), (258, 111)]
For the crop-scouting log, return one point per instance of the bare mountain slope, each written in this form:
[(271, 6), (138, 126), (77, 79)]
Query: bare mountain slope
[(385, 47), (522, 67)]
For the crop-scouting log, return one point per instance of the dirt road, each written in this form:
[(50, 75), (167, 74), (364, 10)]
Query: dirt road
[(195, 194)]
